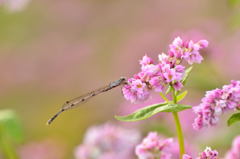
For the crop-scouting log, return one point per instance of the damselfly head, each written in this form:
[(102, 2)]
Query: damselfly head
[(123, 80)]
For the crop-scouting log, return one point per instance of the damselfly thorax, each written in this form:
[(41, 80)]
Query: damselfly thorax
[(83, 98)]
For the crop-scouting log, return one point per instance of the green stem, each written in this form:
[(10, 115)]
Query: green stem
[(6, 146), (9, 151), (178, 128), (179, 134), (164, 97)]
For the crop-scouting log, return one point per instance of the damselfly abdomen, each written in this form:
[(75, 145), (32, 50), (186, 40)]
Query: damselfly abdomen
[(83, 98)]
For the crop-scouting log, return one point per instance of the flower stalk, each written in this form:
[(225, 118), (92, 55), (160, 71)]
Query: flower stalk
[(178, 127)]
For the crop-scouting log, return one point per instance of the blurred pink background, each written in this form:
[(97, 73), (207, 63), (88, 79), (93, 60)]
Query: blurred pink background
[(52, 51)]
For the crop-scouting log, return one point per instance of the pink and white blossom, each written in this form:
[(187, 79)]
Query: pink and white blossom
[(108, 141), (135, 90), (168, 70), (187, 50), (215, 103), (208, 153), (145, 61), (153, 146)]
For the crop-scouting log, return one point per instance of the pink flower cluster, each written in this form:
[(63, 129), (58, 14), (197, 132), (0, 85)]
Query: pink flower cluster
[(154, 147), (107, 142), (234, 153), (208, 153), (168, 71), (215, 103)]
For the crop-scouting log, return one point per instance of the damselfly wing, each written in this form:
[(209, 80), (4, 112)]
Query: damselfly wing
[(83, 98)]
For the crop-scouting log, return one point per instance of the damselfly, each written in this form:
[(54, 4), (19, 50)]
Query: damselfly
[(76, 101)]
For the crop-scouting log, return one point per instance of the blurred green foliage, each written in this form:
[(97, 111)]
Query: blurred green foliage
[(235, 20), (10, 133), (18, 28), (234, 2)]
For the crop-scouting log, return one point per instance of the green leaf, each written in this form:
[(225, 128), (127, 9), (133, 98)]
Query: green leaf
[(149, 111), (233, 119), (142, 113), (187, 72), (175, 108), (182, 96)]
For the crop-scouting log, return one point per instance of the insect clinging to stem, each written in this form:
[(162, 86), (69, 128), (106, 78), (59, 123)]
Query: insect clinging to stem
[(83, 98)]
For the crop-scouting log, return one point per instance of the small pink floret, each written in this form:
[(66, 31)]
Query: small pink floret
[(208, 153)]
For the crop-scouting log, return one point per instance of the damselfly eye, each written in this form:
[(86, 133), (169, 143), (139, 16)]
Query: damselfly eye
[(123, 78)]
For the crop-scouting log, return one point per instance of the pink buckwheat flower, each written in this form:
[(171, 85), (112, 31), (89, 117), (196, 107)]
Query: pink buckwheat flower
[(187, 50), (208, 111), (215, 103), (208, 153), (172, 74), (135, 90), (157, 84), (153, 146), (148, 72), (108, 141), (145, 61), (168, 70), (164, 59), (234, 153)]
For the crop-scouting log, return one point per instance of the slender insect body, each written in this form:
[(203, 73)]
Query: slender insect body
[(76, 101), (119, 82)]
